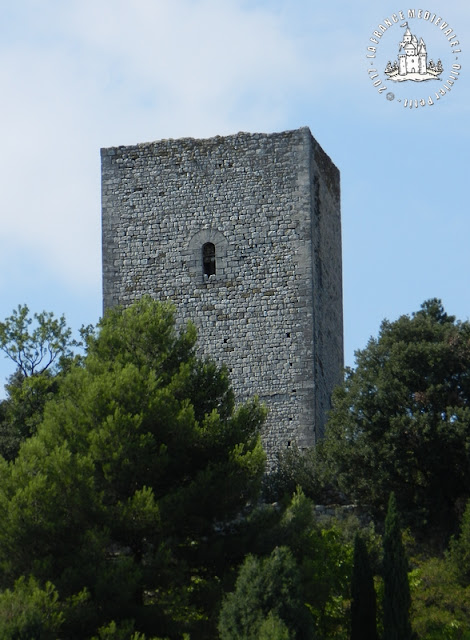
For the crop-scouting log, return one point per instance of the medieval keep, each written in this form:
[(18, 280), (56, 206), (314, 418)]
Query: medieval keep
[(414, 58), (243, 234)]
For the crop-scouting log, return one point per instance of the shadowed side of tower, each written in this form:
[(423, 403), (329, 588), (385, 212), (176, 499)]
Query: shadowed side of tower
[(243, 234)]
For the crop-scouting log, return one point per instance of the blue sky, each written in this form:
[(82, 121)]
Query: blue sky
[(85, 74)]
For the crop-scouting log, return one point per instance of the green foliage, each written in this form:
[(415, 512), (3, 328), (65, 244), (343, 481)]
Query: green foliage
[(112, 631), (35, 351), (22, 410), (120, 490), (123, 631), (322, 553), (42, 348), (297, 468), (273, 628), (267, 595), (397, 599), (325, 558), (363, 598), (143, 335), (459, 551), (210, 389), (129, 496), (441, 606), (29, 611), (407, 401)]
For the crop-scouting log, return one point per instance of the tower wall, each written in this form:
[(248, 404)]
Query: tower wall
[(273, 310), (422, 63), (402, 70)]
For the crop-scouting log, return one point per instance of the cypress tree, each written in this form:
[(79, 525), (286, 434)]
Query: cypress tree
[(397, 598), (363, 604)]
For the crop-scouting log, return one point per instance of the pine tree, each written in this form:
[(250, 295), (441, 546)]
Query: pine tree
[(397, 599), (137, 455), (363, 605)]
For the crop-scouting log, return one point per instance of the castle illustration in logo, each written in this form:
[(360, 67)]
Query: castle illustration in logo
[(412, 63)]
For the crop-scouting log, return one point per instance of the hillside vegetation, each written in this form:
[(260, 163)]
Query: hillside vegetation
[(135, 505)]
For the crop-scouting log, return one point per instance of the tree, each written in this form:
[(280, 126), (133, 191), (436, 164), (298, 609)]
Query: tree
[(22, 410), (29, 611), (273, 628), (458, 555), (126, 486), (363, 598), (397, 599), (267, 594), (42, 348), (406, 402), (441, 606), (322, 554)]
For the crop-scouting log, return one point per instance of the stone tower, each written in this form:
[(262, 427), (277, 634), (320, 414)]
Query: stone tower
[(243, 234)]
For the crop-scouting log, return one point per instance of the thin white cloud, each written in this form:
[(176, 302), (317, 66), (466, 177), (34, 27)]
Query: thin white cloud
[(89, 73), (197, 64)]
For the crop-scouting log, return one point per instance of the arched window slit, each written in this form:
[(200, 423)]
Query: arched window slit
[(208, 259)]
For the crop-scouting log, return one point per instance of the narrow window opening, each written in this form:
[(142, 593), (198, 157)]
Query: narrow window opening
[(208, 259)]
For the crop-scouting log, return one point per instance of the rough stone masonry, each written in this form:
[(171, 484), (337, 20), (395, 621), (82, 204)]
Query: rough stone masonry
[(243, 234)]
